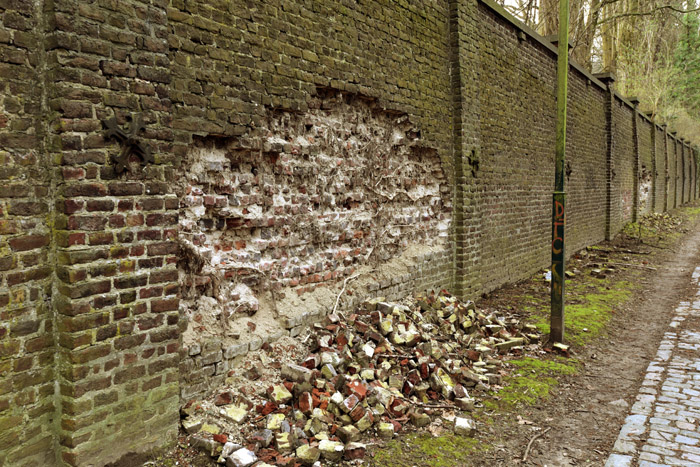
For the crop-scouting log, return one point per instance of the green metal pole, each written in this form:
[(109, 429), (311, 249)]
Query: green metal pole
[(559, 196)]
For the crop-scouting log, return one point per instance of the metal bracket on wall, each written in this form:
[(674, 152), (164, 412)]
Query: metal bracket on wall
[(128, 139)]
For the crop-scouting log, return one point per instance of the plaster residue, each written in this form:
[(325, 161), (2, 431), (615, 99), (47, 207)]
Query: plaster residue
[(645, 184), (272, 224)]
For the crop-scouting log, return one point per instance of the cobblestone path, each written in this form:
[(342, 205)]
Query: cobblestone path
[(663, 427)]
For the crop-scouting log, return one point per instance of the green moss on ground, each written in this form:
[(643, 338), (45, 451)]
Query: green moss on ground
[(593, 307), (423, 449), (531, 381)]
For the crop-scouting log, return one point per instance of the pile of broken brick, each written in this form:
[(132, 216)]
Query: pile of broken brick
[(367, 375)]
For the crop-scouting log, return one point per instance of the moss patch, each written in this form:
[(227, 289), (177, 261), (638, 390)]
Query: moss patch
[(531, 381), (590, 305), (422, 449)]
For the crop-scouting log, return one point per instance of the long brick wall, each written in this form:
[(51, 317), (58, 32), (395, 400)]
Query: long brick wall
[(297, 147)]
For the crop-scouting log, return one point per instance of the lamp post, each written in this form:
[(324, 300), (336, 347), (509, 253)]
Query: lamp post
[(559, 195)]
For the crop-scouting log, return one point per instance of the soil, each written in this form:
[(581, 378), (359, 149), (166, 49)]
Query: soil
[(585, 412)]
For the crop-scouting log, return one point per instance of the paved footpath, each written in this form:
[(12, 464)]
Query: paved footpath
[(663, 427)]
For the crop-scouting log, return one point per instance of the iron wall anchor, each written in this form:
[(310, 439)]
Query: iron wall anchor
[(128, 139)]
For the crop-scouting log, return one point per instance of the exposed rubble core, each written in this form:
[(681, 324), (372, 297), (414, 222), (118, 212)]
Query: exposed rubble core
[(301, 204), (365, 375)]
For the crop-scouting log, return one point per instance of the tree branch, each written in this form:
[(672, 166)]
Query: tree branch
[(648, 13)]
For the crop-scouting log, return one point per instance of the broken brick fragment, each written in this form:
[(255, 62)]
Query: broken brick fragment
[(224, 398), (306, 403), (267, 409)]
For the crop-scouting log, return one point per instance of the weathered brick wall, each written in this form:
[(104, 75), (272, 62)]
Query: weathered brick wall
[(520, 88), (586, 158), (26, 324), (116, 291), (681, 172), (465, 58), (673, 170), (316, 145), (296, 145), (646, 166), (623, 167), (693, 174), (661, 169), (516, 167), (688, 171)]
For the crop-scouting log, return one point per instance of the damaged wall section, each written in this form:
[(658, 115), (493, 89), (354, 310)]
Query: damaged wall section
[(275, 222)]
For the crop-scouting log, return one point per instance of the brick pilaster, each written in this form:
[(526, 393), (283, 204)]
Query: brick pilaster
[(464, 56), (116, 292)]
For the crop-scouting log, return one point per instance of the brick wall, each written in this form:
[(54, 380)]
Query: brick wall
[(586, 158), (295, 145), (116, 299), (516, 168), (27, 350), (681, 172), (304, 104), (660, 173), (646, 165), (520, 88), (688, 172), (623, 166), (274, 224)]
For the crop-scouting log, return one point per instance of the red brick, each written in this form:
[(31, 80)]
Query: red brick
[(76, 239), (27, 208), (163, 335), (128, 342), (134, 220), (28, 242), (163, 276), (100, 205), (165, 248), (90, 354), (85, 189), (94, 222), (73, 173), (129, 374), (149, 235), (71, 206), (150, 322), (93, 288), (169, 304), (101, 238), (151, 292), (117, 221), (151, 263), (161, 219), (125, 188)]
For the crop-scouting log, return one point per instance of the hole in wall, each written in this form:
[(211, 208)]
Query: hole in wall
[(299, 204)]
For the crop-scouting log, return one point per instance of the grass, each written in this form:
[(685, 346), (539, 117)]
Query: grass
[(423, 449), (593, 306), (531, 381)]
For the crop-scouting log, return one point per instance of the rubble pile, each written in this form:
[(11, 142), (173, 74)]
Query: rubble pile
[(662, 222), (367, 374)]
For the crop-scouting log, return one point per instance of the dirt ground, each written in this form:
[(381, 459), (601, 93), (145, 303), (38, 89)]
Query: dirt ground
[(578, 424)]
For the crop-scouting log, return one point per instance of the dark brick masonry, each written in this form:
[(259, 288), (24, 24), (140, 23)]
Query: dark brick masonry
[(446, 108)]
